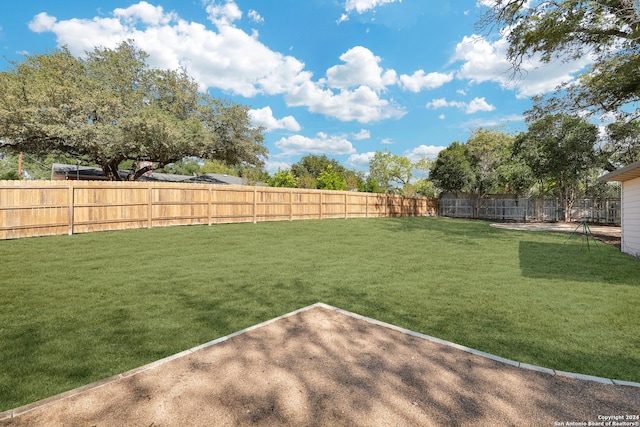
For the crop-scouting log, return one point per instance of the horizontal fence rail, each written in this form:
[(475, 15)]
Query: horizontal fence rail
[(602, 211), (42, 208)]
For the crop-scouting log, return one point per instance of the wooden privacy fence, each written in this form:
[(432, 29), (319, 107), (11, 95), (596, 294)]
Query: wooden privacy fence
[(41, 208)]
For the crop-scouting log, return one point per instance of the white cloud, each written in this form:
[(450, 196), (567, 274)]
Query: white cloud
[(424, 151), (363, 134), (362, 6), (215, 59), (476, 104), (229, 59), (386, 141), (362, 104), (486, 61), (442, 117), (223, 14), (264, 117), (320, 144), (146, 13), (360, 69), (443, 103), (276, 166), (360, 160), (255, 16), (42, 22), (609, 117), (492, 122), (479, 104), (418, 80), (486, 3), (351, 91)]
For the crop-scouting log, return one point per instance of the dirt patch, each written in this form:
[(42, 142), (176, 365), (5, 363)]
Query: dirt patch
[(324, 367), (607, 234)]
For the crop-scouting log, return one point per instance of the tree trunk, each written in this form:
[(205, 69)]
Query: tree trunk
[(110, 170), (568, 197)]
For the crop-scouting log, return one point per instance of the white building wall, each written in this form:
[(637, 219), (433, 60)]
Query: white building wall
[(631, 217)]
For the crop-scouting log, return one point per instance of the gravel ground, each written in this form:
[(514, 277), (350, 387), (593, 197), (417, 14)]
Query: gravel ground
[(323, 367)]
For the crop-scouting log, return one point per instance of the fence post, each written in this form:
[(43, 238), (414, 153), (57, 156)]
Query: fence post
[(366, 205), (291, 205), (255, 205), (210, 204), (346, 211), (71, 206), (150, 207)]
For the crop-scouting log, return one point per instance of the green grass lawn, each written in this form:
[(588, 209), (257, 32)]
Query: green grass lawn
[(75, 309)]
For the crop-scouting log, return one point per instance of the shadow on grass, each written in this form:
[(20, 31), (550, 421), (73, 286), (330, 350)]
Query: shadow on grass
[(573, 261), (454, 227), (19, 352)]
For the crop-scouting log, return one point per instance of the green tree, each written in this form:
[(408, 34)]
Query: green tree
[(109, 108), (329, 179), (253, 175), (515, 176), (33, 166), (487, 150), (308, 169), (187, 166), (559, 149), (283, 178), (314, 165), (390, 171), (217, 166), (608, 30), (452, 171), (8, 167), (354, 180), (425, 187), (623, 144), (369, 185)]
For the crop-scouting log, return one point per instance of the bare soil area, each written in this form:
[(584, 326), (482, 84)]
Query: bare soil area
[(605, 233), (324, 367)]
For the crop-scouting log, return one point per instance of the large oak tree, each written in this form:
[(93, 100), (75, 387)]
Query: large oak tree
[(110, 107), (607, 30)]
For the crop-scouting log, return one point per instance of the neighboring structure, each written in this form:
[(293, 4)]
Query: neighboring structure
[(83, 173), (629, 177)]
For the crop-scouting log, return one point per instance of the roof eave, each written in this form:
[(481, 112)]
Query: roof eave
[(626, 173)]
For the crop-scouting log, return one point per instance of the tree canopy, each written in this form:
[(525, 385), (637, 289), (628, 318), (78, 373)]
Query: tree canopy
[(559, 149), (110, 107), (607, 30), (330, 179), (623, 144), (484, 164), (393, 172), (452, 170), (283, 178), (321, 172)]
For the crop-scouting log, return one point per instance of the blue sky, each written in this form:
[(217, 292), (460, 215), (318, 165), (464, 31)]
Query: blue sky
[(343, 78)]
